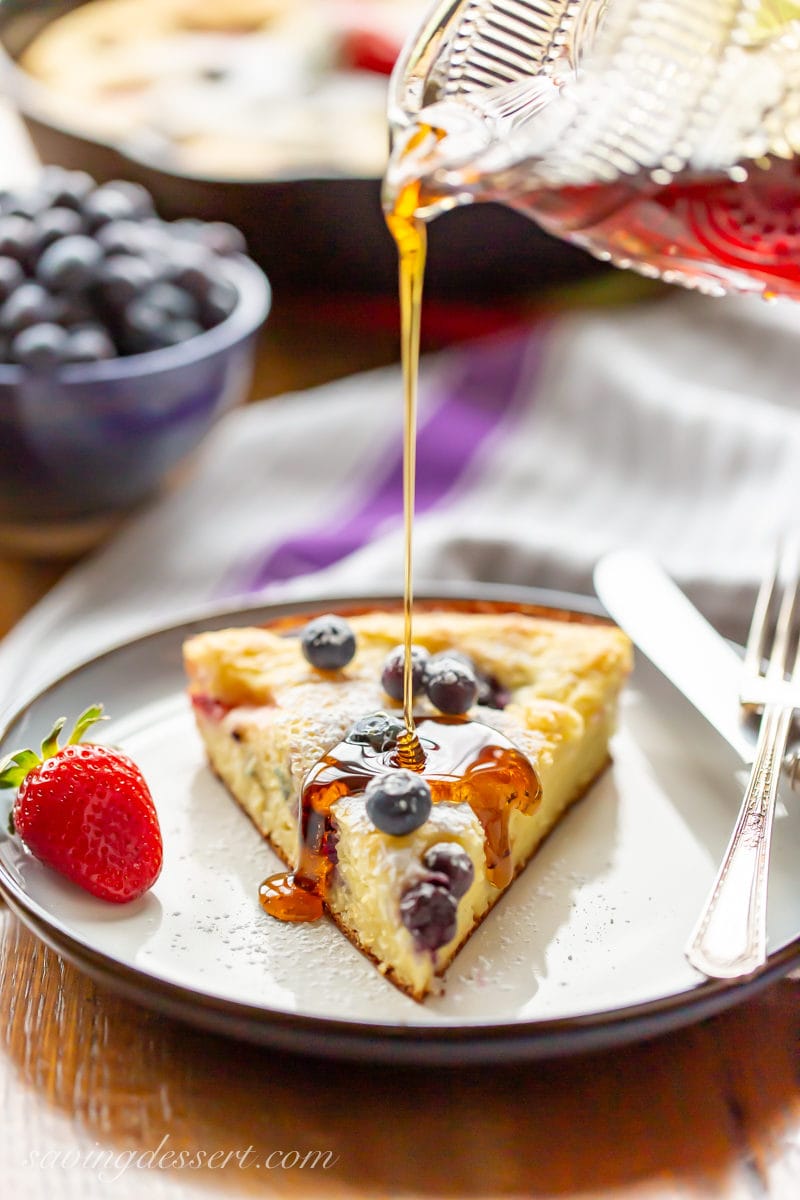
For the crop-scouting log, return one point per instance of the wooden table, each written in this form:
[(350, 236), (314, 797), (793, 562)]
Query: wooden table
[(711, 1111), (99, 1097)]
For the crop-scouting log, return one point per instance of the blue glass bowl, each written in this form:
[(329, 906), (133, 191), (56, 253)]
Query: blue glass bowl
[(83, 444)]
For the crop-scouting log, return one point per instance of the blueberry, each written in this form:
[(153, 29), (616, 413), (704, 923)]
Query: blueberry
[(137, 197), (142, 326), (185, 250), (179, 330), (55, 223), (88, 344), (158, 237), (123, 277), (191, 266), (219, 302), (70, 264), (398, 803), (163, 315), (67, 189), (451, 860), (392, 673), (198, 281), (222, 238), (187, 228), (491, 692), (40, 345), (108, 203), (451, 685), (173, 301), (26, 204), (147, 326), (16, 237), (72, 308), (378, 730), (430, 913), (123, 237), (30, 304), (328, 642), (11, 276)]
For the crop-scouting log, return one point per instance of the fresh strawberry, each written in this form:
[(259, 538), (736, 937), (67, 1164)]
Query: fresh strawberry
[(86, 811)]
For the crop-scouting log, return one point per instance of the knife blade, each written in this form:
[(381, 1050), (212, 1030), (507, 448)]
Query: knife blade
[(664, 624)]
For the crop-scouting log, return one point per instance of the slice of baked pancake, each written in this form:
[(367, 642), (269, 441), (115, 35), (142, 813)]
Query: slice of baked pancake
[(279, 734)]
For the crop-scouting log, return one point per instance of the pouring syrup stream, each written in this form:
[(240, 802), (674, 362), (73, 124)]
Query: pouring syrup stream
[(410, 234)]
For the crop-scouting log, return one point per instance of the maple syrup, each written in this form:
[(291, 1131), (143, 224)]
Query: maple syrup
[(466, 762), (410, 234)]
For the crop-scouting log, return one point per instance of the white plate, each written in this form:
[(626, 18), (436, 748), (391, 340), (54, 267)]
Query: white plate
[(585, 950)]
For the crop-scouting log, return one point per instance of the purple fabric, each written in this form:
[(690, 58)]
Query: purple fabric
[(477, 401)]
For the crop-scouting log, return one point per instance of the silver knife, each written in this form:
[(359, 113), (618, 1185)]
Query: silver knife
[(677, 639)]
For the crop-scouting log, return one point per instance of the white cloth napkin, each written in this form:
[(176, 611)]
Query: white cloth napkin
[(672, 427)]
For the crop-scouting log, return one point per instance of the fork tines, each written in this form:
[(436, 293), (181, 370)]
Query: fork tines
[(773, 644)]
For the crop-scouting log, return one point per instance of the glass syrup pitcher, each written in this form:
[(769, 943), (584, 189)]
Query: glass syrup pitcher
[(661, 135)]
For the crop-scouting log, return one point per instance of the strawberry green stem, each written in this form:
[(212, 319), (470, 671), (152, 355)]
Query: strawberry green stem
[(14, 767), (50, 743), (90, 716)]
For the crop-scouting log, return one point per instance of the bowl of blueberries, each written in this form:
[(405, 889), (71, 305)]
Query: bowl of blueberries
[(123, 338)]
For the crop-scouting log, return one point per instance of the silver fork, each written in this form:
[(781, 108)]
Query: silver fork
[(730, 938)]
